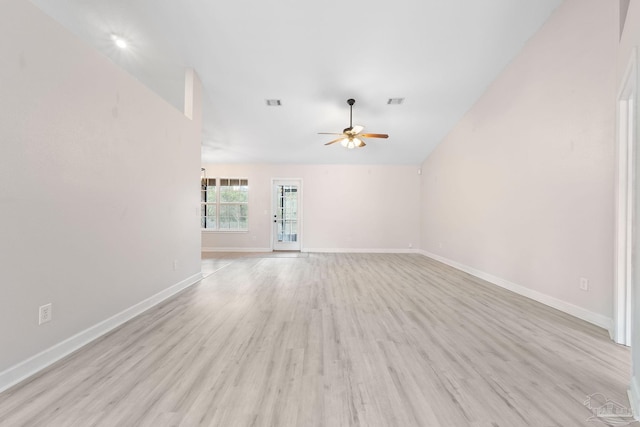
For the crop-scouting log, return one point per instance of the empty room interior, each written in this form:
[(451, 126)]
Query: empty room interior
[(413, 213)]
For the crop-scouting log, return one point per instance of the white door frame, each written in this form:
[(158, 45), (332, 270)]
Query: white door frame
[(298, 182), (626, 270)]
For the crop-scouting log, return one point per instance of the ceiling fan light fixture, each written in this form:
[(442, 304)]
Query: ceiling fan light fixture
[(352, 142)]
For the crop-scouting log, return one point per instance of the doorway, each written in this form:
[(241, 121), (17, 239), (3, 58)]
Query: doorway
[(287, 214), (627, 212)]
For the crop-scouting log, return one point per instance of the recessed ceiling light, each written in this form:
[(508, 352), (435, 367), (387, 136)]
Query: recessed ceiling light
[(274, 102), (395, 101), (119, 41)]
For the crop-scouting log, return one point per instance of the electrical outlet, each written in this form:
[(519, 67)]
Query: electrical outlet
[(45, 314), (410, 245), (584, 284)]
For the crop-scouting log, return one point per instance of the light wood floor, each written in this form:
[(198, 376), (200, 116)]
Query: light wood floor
[(332, 340)]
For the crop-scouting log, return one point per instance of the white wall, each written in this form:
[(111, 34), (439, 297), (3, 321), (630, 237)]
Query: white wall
[(522, 188), (344, 207), (98, 186)]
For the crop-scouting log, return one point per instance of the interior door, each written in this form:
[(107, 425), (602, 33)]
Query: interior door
[(287, 226)]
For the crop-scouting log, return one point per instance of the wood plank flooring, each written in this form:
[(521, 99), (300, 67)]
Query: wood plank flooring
[(332, 340)]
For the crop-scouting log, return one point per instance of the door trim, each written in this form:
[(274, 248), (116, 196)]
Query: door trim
[(626, 197)]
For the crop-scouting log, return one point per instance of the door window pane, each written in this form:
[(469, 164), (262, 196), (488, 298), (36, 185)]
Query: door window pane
[(287, 213)]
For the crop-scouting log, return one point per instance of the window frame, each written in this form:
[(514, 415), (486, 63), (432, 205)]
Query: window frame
[(205, 203)]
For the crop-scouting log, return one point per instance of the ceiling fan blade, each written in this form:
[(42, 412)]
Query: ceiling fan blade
[(329, 133), (357, 129), (362, 144), (334, 141), (374, 135)]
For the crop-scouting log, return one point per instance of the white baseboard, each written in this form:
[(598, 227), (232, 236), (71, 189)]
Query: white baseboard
[(360, 250), (319, 250), (574, 310), (35, 364), (634, 397), (236, 249)]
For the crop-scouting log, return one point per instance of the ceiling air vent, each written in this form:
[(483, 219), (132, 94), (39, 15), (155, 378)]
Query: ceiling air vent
[(395, 101), (274, 102)]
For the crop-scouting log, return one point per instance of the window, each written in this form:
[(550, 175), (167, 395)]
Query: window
[(225, 204), (208, 201)]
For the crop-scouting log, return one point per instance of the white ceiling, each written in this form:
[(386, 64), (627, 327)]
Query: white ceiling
[(440, 55)]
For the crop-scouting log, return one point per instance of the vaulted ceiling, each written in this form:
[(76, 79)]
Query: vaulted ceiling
[(439, 55)]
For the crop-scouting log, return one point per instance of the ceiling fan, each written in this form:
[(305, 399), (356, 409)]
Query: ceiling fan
[(351, 137)]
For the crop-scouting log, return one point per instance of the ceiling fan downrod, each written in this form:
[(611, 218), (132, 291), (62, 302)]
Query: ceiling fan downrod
[(351, 101)]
